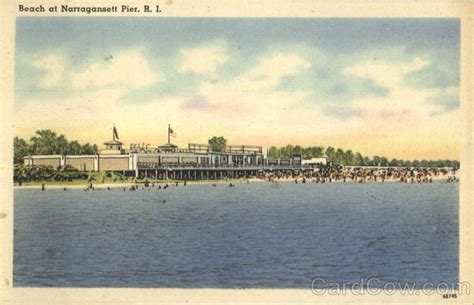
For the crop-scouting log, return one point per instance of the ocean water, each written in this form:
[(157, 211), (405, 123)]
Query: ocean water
[(258, 235)]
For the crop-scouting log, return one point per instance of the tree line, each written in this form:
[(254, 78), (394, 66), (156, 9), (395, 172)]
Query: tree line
[(47, 142), (348, 157)]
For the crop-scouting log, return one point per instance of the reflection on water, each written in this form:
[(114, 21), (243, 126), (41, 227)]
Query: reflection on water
[(255, 235)]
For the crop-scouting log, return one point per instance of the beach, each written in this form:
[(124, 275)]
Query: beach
[(272, 177)]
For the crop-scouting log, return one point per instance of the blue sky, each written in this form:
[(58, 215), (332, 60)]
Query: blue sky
[(214, 70)]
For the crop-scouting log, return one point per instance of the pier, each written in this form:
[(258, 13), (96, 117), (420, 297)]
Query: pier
[(170, 162)]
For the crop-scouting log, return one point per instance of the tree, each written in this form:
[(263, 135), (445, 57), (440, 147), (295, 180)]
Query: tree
[(297, 150), (449, 163), (273, 152), (217, 144), (317, 151), (349, 158), (307, 153), (88, 149), (61, 145), (456, 164), (47, 142), (376, 161), (330, 153), (44, 142), (358, 159), (339, 156), (20, 150), (286, 151), (74, 148), (383, 161)]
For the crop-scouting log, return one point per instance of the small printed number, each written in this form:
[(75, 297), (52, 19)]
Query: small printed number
[(450, 296)]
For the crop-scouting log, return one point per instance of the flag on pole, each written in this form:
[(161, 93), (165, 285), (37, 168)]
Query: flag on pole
[(171, 132), (115, 133)]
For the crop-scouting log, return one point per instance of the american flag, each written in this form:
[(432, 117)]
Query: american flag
[(171, 132)]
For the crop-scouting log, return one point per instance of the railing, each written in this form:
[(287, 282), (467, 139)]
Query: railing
[(195, 166), (243, 148), (193, 147), (221, 166)]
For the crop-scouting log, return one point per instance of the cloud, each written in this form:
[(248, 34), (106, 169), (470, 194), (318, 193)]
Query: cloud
[(308, 87), (72, 109), (198, 103), (124, 69), (202, 60), (345, 89), (269, 72), (53, 67), (447, 102), (272, 69), (383, 73), (342, 113), (433, 76), (418, 90), (253, 90), (369, 87)]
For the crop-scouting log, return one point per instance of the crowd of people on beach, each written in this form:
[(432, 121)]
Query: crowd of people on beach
[(317, 175), (362, 175)]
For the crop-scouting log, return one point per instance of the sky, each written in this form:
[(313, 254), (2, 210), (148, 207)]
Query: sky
[(377, 86)]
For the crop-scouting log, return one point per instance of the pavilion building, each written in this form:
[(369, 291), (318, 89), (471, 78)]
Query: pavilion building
[(167, 161)]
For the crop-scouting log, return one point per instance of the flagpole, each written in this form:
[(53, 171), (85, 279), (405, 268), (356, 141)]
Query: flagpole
[(113, 132), (168, 133)]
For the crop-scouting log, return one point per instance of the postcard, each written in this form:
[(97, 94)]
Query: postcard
[(239, 152)]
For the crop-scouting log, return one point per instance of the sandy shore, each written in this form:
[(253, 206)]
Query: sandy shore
[(74, 186), (239, 181), (129, 184)]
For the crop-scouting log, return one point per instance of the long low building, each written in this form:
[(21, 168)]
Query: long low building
[(168, 161), (196, 162)]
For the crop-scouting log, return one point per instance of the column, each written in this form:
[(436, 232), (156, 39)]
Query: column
[(96, 163)]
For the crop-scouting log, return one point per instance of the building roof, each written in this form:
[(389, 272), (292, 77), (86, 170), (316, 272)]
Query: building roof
[(113, 142), (168, 146)]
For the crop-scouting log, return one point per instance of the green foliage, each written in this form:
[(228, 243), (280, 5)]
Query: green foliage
[(47, 142), (348, 157), (49, 174), (21, 149), (330, 153), (273, 152), (43, 173), (287, 151), (217, 144)]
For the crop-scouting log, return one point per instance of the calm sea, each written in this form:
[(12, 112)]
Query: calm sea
[(259, 235)]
